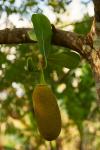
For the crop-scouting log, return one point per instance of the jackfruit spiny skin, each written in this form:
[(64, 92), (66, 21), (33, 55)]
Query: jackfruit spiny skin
[(47, 112)]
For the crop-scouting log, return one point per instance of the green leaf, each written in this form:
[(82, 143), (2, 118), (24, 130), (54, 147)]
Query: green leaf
[(64, 59), (32, 35), (42, 28), (30, 65)]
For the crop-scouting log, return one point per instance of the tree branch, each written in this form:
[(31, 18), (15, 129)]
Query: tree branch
[(67, 39), (61, 38), (97, 16), (77, 42), (97, 10), (15, 36)]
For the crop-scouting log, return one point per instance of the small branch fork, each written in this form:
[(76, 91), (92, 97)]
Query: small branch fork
[(87, 46)]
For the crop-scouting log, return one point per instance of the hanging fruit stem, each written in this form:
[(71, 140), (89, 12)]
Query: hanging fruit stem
[(42, 79), (41, 65)]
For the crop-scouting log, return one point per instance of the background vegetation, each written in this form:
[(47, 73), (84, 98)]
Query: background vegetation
[(74, 88)]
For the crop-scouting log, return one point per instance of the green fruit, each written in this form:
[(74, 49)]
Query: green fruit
[(47, 112)]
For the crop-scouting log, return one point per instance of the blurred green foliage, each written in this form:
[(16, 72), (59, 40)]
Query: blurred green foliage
[(17, 83)]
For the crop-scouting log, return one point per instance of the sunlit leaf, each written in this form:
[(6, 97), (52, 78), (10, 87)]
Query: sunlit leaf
[(64, 59), (43, 32), (32, 35)]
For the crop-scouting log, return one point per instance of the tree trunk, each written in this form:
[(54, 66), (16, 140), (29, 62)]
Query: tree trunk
[(95, 65)]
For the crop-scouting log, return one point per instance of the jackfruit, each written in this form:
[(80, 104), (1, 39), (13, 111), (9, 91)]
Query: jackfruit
[(47, 112)]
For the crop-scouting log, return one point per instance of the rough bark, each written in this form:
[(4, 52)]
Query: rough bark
[(61, 38), (15, 36), (95, 53), (97, 10)]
